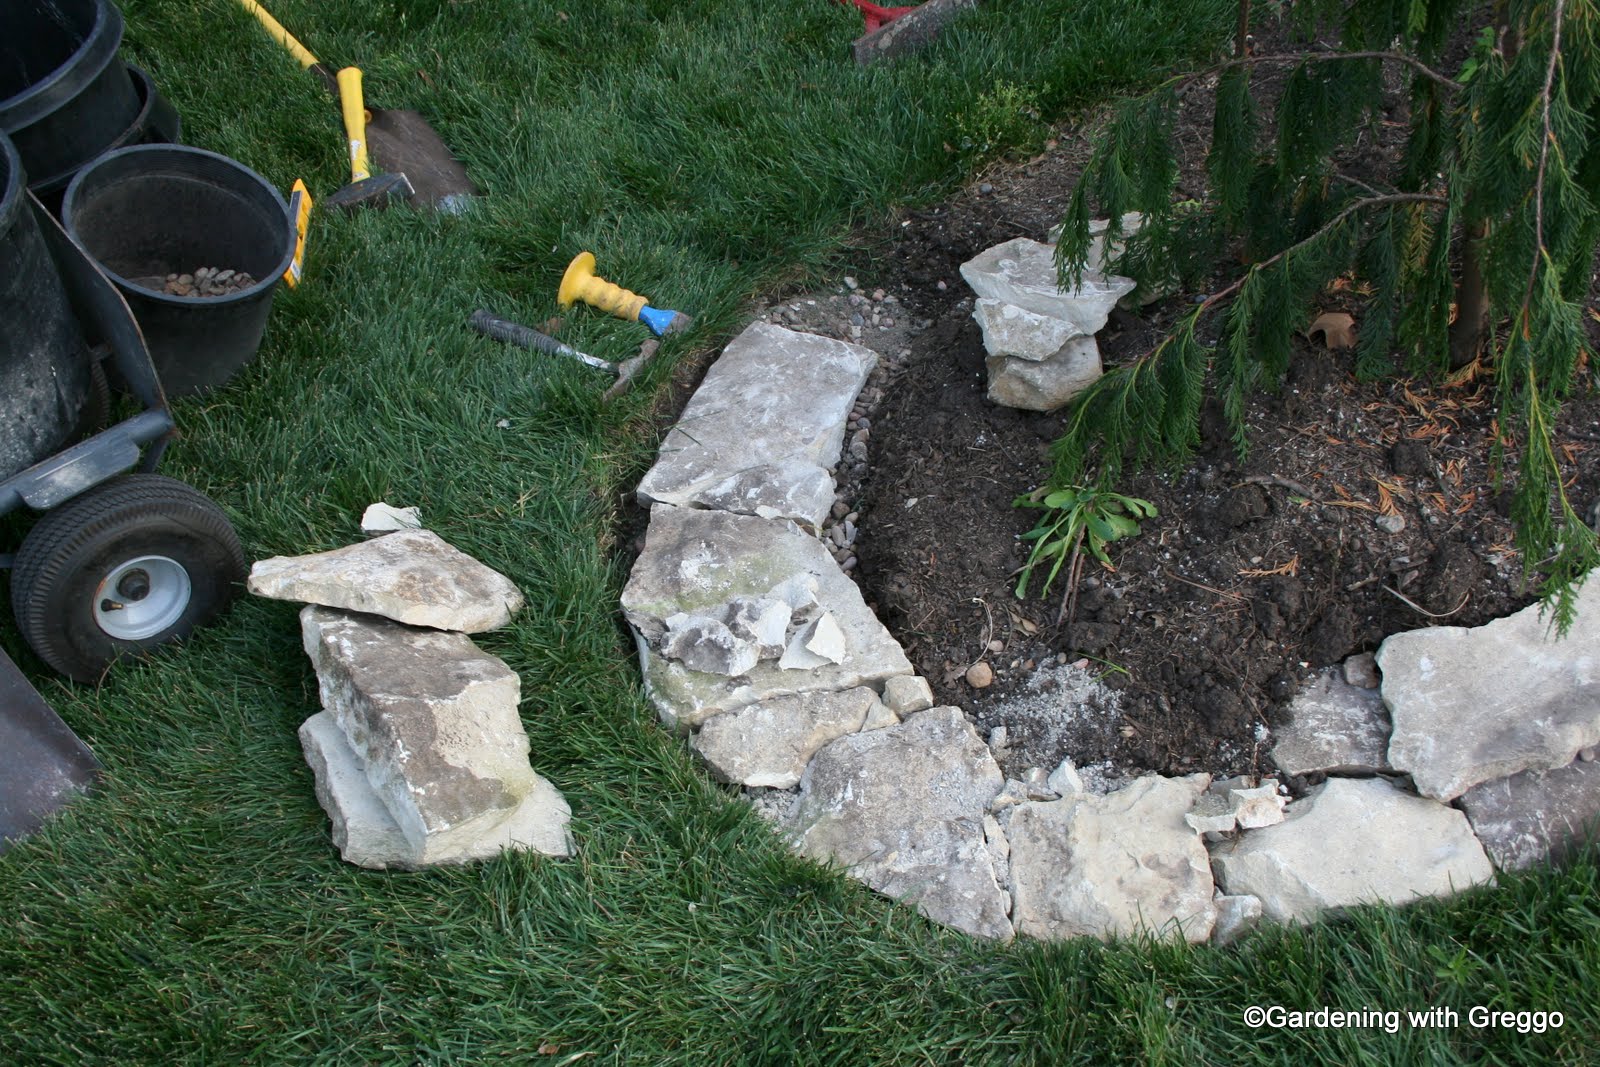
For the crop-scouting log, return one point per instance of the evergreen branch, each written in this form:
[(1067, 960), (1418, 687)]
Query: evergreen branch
[(1323, 57), (1540, 254), (1350, 209)]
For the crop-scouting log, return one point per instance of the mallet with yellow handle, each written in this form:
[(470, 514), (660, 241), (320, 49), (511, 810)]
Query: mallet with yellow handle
[(364, 187), (582, 283)]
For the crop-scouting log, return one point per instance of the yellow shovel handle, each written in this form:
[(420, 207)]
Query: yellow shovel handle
[(279, 34), (354, 110)]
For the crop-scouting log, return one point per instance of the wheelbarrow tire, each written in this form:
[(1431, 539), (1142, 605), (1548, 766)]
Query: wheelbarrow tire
[(129, 565)]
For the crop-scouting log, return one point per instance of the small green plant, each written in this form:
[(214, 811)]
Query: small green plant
[(1001, 119), (1078, 519)]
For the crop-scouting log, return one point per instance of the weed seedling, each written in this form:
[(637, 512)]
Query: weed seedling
[(1078, 520)]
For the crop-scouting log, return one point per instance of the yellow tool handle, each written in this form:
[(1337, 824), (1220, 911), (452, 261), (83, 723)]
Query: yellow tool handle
[(279, 34), (354, 109)]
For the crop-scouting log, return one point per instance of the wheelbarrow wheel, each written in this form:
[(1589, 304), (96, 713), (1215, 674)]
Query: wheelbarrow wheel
[(135, 563)]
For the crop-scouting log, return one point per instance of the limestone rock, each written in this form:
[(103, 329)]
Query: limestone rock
[(879, 716), (1023, 272), (1212, 814), (1112, 865), (1236, 916), (907, 694), (1536, 816), (705, 644), (431, 718), (1047, 384), (1335, 728), (386, 518), (1254, 809), (763, 427), (1473, 705), (1353, 841), (769, 744), (695, 561), (368, 836), (903, 809), (1361, 671), (1009, 330), (1064, 779), (411, 576), (763, 621)]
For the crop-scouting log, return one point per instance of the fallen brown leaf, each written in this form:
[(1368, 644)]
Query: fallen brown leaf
[(1338, 330)]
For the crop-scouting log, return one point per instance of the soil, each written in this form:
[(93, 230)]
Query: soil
[(1359, 511)]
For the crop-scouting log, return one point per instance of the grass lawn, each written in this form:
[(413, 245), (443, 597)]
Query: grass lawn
[(705, 150)]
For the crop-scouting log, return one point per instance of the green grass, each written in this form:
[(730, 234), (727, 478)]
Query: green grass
[(705, 150)]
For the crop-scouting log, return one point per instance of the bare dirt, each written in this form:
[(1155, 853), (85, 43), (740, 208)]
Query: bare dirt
[(1360, 510)]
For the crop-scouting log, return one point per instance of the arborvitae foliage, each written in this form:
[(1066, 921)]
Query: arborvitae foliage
[(1491, 208)]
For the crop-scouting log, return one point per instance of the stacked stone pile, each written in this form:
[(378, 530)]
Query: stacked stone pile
[(419, 753), (758, 647)]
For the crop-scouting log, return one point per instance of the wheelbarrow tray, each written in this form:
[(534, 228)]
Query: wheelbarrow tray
[(43, 764)]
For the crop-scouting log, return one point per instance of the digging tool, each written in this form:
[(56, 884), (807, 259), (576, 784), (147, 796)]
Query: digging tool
[(400, 140), (581, 283), (517, 334), (365, 187)]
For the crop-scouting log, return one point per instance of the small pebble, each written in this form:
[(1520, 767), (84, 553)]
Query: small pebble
[(985, 189), (997, 645), (840, 509), (1392, 524), (851, 283), (980, 675), (878, 294), (849, 564)]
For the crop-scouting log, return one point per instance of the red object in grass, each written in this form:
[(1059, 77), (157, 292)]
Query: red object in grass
[(875, 15)]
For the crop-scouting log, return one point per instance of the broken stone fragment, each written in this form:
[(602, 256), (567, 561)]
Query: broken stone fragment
[(1258, 807), (761, 431), (1353, 841), (879, 716), (367, 835), (1046, 384), (819, 643), (800, 593), (1334, 728), (769, 744), (386, 518), (1473, 705), (411, 576), (431, 718), (1537, 816), (1211, 814), (1023, 272), (1112, 866), (707, 645), (907, 694), (695, 561), (763, 621), (1064, 779), (903, 809), (1236, 916), (1009, 330)]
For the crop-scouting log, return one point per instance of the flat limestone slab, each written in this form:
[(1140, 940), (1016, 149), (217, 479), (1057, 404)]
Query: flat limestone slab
[(903, 808), (763, 428), (431, 718), (1023, 272), (1352, 841), (695, 561), (769, 744), (1112, 865), (1536, 816), (1473, 705), (410, 576), (1047, 384), (367, 835), (1334, 727)]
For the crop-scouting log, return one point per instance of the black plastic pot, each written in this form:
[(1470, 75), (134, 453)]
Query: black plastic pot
[(64, 94), (44, 363), (156, 123), (154, 210)]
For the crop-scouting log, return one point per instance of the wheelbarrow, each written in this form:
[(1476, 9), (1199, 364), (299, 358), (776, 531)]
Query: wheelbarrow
[(120, 559)]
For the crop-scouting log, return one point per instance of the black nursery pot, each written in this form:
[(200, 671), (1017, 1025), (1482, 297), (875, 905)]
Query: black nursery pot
[(64, 94), (44, 363), (154, 210), (156, 122)]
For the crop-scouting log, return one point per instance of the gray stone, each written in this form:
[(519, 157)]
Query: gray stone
[(383, 517), (706, 644), (903, 810), (907, 694), (1536, 816), (1361, 671), (912, 31), (363, 830), (410, 576), (1064, 779), (879, 716), (433, 720), (1047, 384), (367, 835), (1023, 272), (1473, 705), (1009, 330), (763, 427), (1254, 809), (695, 561), (1353, 841), (1236, 916), (1211, 814), (1334, 728), (1112, 865), (769, 744), (763, 621)]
